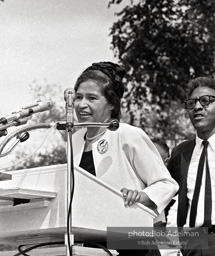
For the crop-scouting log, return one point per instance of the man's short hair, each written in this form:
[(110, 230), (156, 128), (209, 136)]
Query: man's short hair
[(200, 82)]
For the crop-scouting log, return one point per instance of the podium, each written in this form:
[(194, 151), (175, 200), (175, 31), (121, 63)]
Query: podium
[(33, 208)]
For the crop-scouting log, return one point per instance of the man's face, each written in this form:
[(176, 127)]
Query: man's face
[(203, 118)]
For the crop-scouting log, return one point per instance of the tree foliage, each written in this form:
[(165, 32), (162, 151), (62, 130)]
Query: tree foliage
[(47, 158), (163, 44)]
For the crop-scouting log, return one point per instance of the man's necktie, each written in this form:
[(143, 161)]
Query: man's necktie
[(208, 200)]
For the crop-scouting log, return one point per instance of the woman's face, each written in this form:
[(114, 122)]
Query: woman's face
[(90, 103)]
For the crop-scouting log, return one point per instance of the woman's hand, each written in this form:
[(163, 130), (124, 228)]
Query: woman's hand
[(131, 197)]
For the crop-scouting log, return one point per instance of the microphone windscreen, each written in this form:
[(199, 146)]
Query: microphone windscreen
[(114, 125), (67, 92)]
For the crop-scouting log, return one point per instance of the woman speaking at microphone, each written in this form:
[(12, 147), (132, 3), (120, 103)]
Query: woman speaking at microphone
[(126, 158)]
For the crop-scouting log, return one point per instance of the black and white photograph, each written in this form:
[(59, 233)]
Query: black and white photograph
[(107, 127)]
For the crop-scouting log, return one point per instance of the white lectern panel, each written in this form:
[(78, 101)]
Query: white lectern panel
[(95, 207)]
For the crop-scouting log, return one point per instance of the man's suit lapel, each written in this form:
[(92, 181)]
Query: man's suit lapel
[(186, 155)]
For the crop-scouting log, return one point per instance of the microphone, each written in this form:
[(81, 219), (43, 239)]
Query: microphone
[(113, 125), (27, 111), (23, 137), (16, 122), (69, 98)]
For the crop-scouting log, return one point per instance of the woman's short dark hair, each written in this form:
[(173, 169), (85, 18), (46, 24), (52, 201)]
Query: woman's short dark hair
[(200, 82), (109, 76)]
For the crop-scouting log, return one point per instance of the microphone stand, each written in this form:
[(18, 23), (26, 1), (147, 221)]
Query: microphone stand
[(68, 126), (69, 238)]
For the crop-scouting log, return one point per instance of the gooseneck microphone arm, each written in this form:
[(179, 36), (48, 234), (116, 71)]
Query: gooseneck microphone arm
[(23, 137)]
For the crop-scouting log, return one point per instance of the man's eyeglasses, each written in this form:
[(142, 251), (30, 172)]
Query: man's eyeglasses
[(204, 100)]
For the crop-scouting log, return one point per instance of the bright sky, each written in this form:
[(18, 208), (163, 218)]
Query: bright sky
[(52, 40)]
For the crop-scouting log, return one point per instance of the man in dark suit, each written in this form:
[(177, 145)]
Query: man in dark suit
[(192, 165)]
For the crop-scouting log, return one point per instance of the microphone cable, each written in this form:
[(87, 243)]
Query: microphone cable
[(71, 199), (23, 252), (101, 246)]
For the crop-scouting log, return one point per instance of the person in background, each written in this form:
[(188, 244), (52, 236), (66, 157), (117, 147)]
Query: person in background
[(162, 148), (116, 157), (192, 165), (164, 151)]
